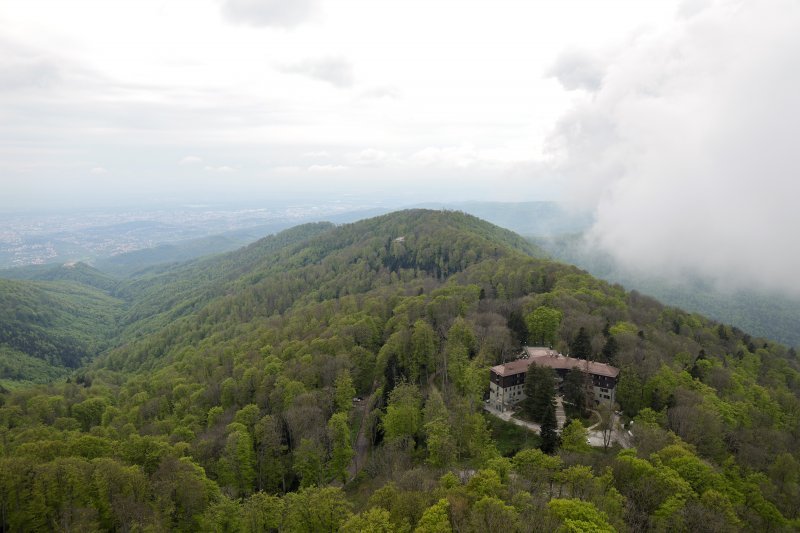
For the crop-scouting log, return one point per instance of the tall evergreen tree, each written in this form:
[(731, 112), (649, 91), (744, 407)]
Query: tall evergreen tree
[(518, 326), (581, 345), (697, 368), (539, 391), (610, 350), (549, 432), (575, 388)]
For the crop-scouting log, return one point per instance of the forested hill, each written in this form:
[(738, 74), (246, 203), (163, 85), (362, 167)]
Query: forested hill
[(50, 328), (77, 272), (228, 403), (162, 294), (310, 262)]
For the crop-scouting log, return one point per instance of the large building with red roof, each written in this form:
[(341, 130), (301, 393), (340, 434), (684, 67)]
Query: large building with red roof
[(507, 381)]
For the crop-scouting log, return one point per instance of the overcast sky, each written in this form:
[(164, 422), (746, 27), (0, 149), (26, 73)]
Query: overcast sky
[(249, 98), (675, 123)]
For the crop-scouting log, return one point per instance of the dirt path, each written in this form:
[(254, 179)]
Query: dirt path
[(506, 415), (361, 446), (619, 434), (561, 416)]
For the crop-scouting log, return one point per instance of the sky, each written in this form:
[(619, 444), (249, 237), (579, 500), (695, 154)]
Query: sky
[(673, 122), (102, 101)]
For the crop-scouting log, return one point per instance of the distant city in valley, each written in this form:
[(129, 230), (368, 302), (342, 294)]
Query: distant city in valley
[(41, 238), (93, 235)]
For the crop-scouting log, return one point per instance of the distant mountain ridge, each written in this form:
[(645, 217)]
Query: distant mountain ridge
[(74, 271)]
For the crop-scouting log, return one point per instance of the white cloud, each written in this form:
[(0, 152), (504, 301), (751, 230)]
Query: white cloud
[(26, 68), (690, 8), (327, 168), (384, 91), (451, 156), (272, 13), (224, 169), (190, 160), (98, 171), (688, 149), (287, 169), (334, 70), (577, 69), (371, 157), (36, 74), (79, 91)]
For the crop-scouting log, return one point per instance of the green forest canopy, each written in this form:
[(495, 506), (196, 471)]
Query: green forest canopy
[(221, 400)]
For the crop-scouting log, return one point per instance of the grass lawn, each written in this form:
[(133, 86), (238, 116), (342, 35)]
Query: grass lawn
[(509, 437)]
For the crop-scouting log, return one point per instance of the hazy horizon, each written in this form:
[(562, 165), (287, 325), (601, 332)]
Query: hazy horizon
[(671, 122)]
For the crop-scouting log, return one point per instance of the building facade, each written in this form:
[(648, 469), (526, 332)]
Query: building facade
[(507, 381)]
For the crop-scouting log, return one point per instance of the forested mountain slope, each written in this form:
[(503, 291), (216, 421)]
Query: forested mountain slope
[(48, 328), (164, 293), (228, 404), (771, 315), (77, 272)]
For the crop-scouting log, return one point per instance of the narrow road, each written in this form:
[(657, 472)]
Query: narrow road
[(506, 415), (561, 417), (361, 446), (619, 434)]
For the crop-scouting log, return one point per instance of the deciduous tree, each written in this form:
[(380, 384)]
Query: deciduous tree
[(542, 325), (435, 519), (574, 436), (345, 392), (341, 448), (403, 417)]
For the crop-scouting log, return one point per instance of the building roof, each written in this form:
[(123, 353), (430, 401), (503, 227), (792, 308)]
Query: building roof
[(514, 367), (547, 357), (533, 351)]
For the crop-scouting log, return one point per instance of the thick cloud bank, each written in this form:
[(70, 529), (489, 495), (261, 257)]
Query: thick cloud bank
[(687, 146)]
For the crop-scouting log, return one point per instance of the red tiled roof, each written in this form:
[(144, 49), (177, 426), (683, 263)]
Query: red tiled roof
[(514, 367), (554, 360)]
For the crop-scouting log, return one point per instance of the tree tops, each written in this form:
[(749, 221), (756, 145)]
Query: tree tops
[(230, 402)]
